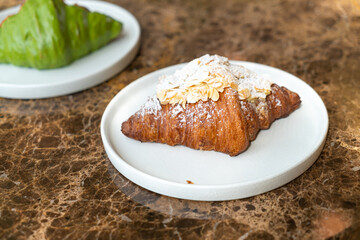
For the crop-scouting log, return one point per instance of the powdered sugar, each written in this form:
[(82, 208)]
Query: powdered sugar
[(259, 85), (151, 106), (204, 77)]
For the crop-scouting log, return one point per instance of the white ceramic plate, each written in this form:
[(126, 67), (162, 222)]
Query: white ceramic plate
[(277, 156), (27, 83)]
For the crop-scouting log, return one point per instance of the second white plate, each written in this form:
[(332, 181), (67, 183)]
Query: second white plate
[(277, 156), (93, 69)]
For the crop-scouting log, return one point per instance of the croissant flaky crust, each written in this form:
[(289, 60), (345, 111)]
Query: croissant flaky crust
[(226, 125)]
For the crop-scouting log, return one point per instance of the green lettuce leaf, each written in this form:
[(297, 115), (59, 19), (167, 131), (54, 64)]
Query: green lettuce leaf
[(49, 34)]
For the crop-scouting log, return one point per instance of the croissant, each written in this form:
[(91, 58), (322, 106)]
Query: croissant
[(48, 34), (226, 125)]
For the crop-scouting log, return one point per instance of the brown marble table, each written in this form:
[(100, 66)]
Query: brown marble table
[(56, 181)]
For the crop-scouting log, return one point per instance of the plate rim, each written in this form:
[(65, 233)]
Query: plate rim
[(51, 89), (307, 161)]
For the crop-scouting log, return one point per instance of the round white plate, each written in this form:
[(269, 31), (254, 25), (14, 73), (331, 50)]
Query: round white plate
[(275, 157), (27, 83)]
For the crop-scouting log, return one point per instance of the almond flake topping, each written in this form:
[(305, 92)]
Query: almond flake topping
[(205, 77)]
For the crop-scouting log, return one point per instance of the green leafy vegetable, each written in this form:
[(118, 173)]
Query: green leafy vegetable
[(50, 34)]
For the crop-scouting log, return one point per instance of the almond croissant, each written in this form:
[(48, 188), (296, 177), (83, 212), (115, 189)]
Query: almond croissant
[(226, 125)]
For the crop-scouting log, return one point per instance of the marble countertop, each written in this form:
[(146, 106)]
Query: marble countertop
[(56, 181)]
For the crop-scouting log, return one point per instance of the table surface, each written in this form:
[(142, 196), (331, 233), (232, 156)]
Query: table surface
[(56, 181)]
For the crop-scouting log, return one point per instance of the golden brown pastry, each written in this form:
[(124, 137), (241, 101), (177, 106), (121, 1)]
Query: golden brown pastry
[(222, 108), (226, 125)]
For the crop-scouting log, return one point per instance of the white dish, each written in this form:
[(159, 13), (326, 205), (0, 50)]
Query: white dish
[(93, 69), (277, 156)]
